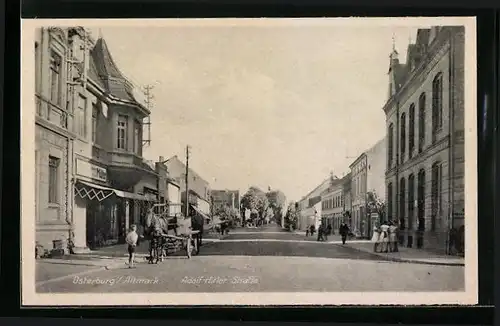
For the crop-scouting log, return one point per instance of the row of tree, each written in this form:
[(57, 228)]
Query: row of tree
[(261, 205)]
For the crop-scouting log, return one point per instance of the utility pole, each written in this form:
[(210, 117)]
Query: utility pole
[(149, 102), (187, 181)]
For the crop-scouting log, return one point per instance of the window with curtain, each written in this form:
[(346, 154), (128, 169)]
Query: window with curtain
[(137, 137), (55, 77), (122, 130), (411, 130), (421, 197), (411, 200), (95, 116), (437, 104), (390, 141), (80, 116), (421, 122), (436, 194), (403, 137), (402, 203), (389, 201), (53, 180)]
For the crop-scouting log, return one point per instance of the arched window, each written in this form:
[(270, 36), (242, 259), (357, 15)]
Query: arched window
[(411, 130), (436, 183), (411, 200), (403, 137), (421, 200), (421, 122), (437, 104), (402, 191), (390, 141), (389, 201)]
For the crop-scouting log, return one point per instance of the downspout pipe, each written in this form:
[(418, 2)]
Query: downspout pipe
[(451, 124)]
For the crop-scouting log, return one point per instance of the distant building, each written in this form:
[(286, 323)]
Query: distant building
[(199, 189), (425, 138), (367, 175), (332, 204), (225, 198), (310, 205)]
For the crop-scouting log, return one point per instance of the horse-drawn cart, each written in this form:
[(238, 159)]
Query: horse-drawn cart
[(164, 244)]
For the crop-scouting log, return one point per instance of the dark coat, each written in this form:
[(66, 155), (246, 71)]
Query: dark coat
[(344, 229)]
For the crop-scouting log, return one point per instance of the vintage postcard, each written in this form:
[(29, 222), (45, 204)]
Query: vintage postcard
[(249, 161)]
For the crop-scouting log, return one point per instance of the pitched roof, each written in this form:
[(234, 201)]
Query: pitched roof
[(104, 71)]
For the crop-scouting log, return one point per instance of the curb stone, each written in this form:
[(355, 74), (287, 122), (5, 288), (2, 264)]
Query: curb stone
[(410, 260)]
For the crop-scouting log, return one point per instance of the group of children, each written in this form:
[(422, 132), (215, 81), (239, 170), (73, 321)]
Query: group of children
[(385, 237)]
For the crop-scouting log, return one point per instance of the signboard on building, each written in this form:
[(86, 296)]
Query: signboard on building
[(90, 170), (99, 173)]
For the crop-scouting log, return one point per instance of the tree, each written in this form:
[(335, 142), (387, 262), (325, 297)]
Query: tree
[(256, 201), (227, 213), (291, 217), (375, 204)]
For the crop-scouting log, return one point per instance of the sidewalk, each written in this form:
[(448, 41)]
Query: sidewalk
[(409, 255)]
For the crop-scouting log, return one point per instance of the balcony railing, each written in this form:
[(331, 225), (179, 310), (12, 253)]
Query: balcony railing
[(52, 113)]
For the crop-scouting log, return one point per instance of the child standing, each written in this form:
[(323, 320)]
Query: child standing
[(131, 240)]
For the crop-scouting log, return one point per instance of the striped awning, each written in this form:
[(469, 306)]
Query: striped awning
[(92, 191)]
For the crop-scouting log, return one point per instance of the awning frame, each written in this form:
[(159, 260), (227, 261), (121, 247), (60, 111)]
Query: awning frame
[(101, 193)]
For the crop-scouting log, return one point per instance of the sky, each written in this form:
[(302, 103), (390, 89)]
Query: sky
[(266, 105)]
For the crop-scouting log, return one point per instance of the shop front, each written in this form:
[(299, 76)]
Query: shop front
[(102, 215)]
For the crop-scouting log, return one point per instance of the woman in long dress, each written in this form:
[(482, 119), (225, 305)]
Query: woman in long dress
[(393, 239), (375, 238), (384, 237)]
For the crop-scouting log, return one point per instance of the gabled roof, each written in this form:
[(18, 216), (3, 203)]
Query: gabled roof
[(104, 71)]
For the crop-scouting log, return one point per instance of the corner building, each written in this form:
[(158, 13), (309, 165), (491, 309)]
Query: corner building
[(91, 179), (425, 139)]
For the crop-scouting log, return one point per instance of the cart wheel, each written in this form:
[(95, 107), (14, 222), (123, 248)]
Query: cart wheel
[(189, 248)]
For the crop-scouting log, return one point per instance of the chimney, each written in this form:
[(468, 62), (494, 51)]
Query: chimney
[(161, 159)]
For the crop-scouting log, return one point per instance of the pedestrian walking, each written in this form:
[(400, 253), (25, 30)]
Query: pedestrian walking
[(329, 229), (307, 231), (312, 229), (320, 233), (376, 237), (384, 237), (393, 237), (344, 231), (131, 240)]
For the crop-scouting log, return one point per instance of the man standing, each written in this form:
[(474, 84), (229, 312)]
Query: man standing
[(344, 231)]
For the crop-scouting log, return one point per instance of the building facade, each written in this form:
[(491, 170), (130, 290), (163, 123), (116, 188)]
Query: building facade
[(199, 189), (358, 195), (54, 138), (100, 173), (332, 205), (310, 205), (425, 138), (346, 193), (225, 198)]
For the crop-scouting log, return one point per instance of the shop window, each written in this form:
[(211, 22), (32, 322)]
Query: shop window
[(122, 129), (53, 180)]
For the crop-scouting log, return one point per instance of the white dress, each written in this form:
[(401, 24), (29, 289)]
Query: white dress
[(376, 235), (392, 233), (384, 229)]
